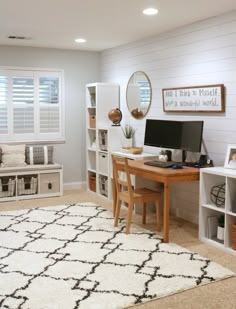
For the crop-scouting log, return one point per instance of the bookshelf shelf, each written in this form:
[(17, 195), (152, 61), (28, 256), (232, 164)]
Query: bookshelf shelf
[(209, 213), (101, 137)]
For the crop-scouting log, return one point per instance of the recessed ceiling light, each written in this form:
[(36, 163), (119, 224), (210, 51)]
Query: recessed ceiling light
[(80, 40), (150, 11)]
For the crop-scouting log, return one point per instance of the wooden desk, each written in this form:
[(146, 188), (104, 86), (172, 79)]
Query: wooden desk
[(165, 176)]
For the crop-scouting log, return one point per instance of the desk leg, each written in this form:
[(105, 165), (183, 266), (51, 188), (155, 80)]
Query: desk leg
[(166, 212)]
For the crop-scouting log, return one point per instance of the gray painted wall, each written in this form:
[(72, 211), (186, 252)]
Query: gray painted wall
[(80, 68), (198, 54), (202, 53)]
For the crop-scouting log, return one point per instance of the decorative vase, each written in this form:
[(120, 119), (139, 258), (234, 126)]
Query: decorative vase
[(220, 232), (163, 158), (128, 142)]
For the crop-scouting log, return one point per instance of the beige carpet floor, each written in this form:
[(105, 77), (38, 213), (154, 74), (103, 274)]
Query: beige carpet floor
[(216, 295)]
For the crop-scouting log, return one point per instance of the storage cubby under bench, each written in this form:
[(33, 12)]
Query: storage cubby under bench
[(30, 181)]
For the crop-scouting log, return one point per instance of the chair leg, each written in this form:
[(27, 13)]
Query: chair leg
[(158, 214), (114, 193), (144, 213), (129, 217), (117, 214)]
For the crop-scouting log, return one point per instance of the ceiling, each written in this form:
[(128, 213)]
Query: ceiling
[(104, 23)]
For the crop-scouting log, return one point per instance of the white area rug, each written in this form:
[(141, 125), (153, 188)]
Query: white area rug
[(71, 256)]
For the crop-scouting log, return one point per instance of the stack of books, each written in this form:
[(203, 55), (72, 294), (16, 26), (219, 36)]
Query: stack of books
[(212, 223)]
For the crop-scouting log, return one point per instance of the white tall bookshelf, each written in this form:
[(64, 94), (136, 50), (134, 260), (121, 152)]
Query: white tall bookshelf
[(102, 138), (210, 177)]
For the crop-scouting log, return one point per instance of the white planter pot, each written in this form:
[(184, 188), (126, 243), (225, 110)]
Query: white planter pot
[(163, 158), (220, 232), (128, 142)]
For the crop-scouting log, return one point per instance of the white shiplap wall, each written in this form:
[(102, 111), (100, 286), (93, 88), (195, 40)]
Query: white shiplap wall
[(202, 53)]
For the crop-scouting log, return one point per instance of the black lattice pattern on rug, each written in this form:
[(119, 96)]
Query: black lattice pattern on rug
[(71, 256)]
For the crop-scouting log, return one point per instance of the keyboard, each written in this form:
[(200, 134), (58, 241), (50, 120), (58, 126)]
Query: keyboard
[(160, 163)]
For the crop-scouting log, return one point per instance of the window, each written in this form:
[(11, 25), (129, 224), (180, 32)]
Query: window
[(3, 104), (144, 93), (31, 105), (23, 104)]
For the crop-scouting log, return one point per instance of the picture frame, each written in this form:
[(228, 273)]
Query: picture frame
[(206, 98), (230, 158)]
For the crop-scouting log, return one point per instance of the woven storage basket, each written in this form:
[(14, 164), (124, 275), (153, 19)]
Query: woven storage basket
[(234, 236), (92, 183), (103, 185), (92, 121)]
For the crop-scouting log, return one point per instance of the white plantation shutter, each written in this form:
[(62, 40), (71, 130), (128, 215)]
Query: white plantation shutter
[(31, 105), (3, 105), (49, 104), (23, 104), (144, 93)]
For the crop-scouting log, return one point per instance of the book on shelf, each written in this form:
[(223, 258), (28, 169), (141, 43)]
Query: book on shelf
[(212, 223)]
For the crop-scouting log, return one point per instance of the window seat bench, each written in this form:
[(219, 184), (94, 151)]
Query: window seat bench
[(30, 181)]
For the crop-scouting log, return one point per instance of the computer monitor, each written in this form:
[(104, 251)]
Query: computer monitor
[(185, 135)]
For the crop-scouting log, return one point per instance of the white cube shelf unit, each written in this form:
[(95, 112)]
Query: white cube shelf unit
[(31, 181), (210, 177), (102, 138)]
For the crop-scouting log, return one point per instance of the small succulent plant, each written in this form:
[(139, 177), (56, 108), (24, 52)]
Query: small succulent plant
[(128, 131), (221, 221)]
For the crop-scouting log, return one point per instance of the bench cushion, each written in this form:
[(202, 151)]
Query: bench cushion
[(28, 167)]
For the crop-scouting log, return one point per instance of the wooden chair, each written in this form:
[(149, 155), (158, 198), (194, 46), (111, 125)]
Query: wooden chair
[(125, 193)]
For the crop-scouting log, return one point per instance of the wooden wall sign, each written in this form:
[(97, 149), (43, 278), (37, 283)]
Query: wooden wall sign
[(208, 98)]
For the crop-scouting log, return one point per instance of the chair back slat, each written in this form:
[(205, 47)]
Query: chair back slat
[(121, 175)]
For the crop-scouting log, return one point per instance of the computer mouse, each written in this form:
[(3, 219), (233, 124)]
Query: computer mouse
[(176, 167)]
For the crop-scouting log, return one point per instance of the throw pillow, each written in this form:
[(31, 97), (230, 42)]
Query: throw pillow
[(37, 154), (13, 155)]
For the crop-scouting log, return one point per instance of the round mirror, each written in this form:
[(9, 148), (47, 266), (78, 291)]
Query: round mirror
[(139, 95)]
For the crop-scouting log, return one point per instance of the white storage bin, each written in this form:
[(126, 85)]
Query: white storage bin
[(49, 183), (103, 163)]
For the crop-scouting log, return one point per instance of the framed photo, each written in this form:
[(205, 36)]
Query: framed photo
[(230, 159)]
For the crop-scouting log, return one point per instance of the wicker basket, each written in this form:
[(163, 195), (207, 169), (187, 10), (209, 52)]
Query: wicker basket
[(234, 236), (7, 186), (103, 185), (92, 121), (92, 183), (27, 185)]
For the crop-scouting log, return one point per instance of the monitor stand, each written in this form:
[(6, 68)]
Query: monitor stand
[(189, 164), (184, 156)]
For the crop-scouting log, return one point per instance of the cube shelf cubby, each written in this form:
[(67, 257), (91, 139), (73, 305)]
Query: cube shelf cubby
[(209, 178)]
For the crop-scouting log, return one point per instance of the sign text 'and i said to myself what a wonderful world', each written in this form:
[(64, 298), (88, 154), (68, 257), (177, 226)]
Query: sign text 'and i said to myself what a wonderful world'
[(208, 98)]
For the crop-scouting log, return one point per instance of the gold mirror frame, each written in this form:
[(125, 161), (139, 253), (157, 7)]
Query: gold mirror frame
[(133, 94)]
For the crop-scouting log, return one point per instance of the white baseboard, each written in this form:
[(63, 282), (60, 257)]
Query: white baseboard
[(187, 215), (75, 185)]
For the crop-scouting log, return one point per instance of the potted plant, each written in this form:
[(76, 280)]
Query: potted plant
[(221, 227), (128, 131)]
